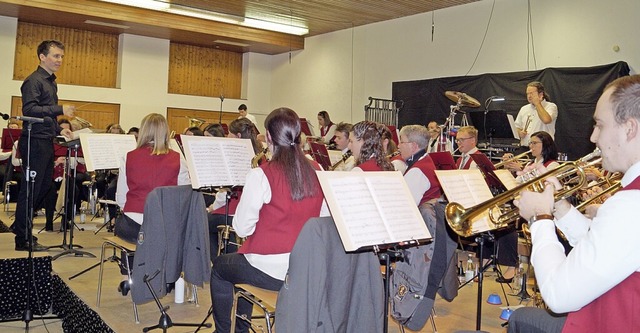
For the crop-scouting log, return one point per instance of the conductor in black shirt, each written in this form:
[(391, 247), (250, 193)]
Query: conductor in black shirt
[(40, 100)]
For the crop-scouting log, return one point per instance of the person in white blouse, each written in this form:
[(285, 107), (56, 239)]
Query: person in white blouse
[(327, 127), (596, 285), (279, 197)]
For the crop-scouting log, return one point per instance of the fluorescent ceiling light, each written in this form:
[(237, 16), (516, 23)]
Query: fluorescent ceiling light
[(107, 24), (213, 16), (279, 27), (228, 42)]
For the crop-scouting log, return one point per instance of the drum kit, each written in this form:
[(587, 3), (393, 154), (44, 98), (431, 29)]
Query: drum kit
[(449, 127)]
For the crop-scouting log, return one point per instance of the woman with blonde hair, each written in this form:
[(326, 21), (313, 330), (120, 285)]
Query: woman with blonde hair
[(152, 164)]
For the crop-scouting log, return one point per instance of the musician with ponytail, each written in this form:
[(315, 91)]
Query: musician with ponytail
[(278, 198)]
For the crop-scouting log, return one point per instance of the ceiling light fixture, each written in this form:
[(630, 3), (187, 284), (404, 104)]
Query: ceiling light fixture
[(107, 24), (212, 16)]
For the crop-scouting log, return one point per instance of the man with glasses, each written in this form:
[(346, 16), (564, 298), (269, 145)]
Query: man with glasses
[(467, 139), (538, 115), (420, 175)]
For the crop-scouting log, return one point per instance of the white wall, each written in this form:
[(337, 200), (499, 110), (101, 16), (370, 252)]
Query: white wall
[(337, 72), (567, 33)]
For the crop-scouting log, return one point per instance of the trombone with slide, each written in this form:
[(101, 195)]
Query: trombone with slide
[(500, 213)]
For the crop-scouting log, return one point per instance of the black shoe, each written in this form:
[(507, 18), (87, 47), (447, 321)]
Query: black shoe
[(124, 288), (37, 247), (501, 279), (170, 287)]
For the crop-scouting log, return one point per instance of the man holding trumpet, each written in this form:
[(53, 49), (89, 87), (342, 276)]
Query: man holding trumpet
[(597, 284), (538, 115)]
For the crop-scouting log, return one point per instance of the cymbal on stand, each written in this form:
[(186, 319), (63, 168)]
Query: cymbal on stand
[(462, 98)]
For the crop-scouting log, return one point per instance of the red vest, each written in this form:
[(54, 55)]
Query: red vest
[(145, 172), (427, 167), (281, 220), (467, 163), (370, 165), (617, 310), (546, 164)]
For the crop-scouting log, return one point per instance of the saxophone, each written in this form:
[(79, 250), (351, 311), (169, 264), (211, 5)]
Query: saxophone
[(344, 158), (256, 160)]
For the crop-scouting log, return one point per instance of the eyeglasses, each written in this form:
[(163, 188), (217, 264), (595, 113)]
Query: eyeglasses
[(458, 140), (532, 143)]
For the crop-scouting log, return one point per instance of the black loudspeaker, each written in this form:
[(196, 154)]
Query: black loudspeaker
[(13, 286)]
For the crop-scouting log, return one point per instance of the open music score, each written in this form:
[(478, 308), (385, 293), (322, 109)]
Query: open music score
[(468, 188), (372, 208), (215, 162), (105, 151), (507, 179)]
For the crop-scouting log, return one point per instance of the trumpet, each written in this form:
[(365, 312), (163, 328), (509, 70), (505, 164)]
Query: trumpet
[(512, 159), (612, 184), (461, 219), (344, 158)]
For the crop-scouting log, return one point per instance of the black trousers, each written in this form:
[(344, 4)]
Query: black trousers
[(41, 166)]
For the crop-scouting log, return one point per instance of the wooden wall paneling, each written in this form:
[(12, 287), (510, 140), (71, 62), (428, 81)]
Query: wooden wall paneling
[(179, 118), (91, 58), (98, 114), (204, 71)]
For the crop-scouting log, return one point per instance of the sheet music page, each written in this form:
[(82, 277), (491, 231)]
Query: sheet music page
[(216, 161), (506, 178), (105, 151), (334, 156), (399, 213), (466, 187), (514, 130), (358, 215)]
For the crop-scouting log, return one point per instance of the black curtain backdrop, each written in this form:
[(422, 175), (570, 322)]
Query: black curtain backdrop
[(574, 90)]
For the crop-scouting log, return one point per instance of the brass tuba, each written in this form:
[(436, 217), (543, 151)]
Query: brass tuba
[(195, 122), (460, 219)]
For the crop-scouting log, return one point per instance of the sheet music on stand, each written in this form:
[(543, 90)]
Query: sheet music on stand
[(468, 188), (372, 208), (217, 162), (105, 151)]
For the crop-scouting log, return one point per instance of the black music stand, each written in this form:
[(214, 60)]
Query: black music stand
[(72, 149), (493, 124), (487, 168), (320, 154)]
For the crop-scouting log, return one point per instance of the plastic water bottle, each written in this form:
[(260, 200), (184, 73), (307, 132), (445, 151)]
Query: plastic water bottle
[(83, 214), (179, 291), (470, 272), (461, 276), (517, 279)]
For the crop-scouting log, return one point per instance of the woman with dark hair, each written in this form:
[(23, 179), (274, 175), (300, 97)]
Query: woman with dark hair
[(196, 131), (243, 128), (543, 149), (391, 150), (327, 127), (279, 197), (365, 143), (215, 130)]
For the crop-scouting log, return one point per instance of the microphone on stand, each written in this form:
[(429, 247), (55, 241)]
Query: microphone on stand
[(28, 119), (220, 117)]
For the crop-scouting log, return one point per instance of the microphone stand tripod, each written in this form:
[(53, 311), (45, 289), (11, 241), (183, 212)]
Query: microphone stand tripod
[(30, 177)]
